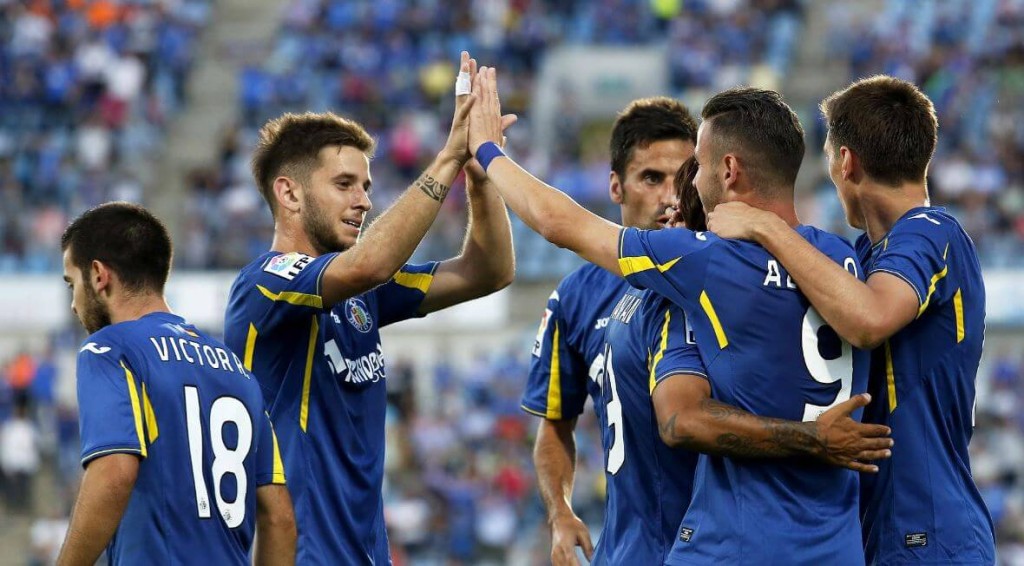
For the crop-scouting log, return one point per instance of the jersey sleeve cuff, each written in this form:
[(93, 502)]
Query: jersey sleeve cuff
[(107, 450), (271, 479), (542, 413), (920, 298)]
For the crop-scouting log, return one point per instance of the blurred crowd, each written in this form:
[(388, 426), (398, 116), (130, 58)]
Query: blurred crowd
[(968, 56), (86, 90), (392, 70)]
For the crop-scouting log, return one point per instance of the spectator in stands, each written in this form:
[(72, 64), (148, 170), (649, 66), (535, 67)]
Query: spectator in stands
[(19, 458)]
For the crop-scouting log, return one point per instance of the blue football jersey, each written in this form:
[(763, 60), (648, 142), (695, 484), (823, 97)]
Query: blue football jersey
[(323, 378), (766, 351), (923, 506), (570, 342), (180, 400), (649, 484)]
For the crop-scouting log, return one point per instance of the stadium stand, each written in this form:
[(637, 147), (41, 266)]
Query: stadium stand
[(89, 89)]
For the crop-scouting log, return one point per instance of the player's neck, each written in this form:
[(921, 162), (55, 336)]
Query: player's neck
[(137, 306), (881, 206), (783, 208), (288, 237)]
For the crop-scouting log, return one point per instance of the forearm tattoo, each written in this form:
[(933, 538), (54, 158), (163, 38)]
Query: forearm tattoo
[(432, 187), (773, 438)]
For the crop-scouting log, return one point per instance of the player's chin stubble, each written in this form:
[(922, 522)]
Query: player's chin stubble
[(319, 229), (94, 314)]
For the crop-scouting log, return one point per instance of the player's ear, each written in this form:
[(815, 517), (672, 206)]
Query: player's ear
[(849, 164), (288, 193), (615, 188), (99, 276), (731, 171)]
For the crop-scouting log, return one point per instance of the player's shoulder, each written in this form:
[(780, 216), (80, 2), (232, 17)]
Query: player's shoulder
[(586, 280), (283, 265), (927, 221), (108, 341), (823, 239)]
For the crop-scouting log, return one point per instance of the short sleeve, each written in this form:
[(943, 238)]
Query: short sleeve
[(109, 403), (670, 262), (400, 298), (673, 347), (556, 388), (269, 466), (289, 286), (916, 252)]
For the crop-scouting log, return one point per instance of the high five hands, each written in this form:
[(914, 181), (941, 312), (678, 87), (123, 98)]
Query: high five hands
[(458, 139)]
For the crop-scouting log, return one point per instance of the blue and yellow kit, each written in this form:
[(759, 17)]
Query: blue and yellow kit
[(649, 483), (160, 389), (923, 507), (766, 351), (322, 371)]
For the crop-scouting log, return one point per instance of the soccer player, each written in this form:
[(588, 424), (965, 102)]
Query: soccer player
[(306, 316), (922, 310), (180, 458), (767, 353), (651, 138)]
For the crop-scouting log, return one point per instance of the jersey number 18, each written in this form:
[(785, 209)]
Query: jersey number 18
[(225, 460)]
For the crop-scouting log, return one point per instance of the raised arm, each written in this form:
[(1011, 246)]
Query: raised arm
[(689, 418), (554, 457), (102, 499), (545, 209), (390, 241), (487, 261), (864, 314), (275, 527)]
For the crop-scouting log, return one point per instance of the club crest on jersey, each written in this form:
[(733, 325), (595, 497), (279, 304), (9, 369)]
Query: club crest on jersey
[(358, 315), (287, 266)]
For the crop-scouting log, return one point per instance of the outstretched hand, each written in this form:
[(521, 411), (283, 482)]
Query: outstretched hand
[(456, 144), (847, 443), (486, 123)]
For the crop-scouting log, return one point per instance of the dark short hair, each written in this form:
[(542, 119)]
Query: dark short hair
[(690, 207), (645, 121), (889, 123), (127, 238), (757, 124), (290, 145)]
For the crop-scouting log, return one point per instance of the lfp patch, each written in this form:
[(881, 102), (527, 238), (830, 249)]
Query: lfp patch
[(287, 266), (358, 315)]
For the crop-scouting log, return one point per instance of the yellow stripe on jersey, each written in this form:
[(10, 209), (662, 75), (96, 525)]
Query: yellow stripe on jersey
[(293, 298), (419, 281), (133, 393), (661, 350), (636, 264), (250, 347), (152, 430), (709, 310), (935, 280), (554, 382), (278, 475), (314, 333), (958, 310), (890, 377)]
